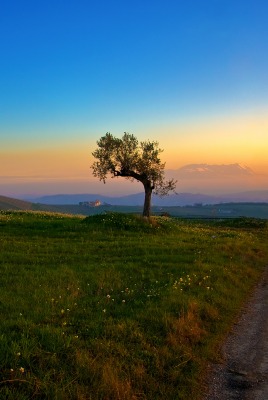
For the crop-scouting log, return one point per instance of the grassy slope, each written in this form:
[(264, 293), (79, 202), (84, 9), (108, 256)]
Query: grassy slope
[(114, 308), (8, 203)]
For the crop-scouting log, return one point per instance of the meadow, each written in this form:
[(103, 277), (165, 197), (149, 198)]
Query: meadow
[(112, 306)]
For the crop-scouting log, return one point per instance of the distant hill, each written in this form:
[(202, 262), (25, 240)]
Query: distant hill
[(136, 199), (68, 199), (180, 199)]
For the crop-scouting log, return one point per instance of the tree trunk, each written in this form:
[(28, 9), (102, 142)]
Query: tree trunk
[(147, 200)]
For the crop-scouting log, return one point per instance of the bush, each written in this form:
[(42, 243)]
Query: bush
[(128, 222)]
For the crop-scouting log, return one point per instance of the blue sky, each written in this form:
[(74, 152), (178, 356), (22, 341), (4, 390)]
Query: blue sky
[(72, 70)]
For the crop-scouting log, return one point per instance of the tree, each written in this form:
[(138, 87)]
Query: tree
[(128, 158)]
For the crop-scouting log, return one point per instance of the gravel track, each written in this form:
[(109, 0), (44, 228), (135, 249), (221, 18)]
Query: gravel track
[(244, 373)]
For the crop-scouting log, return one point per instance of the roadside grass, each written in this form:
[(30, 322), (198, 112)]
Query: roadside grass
[(113, 306)]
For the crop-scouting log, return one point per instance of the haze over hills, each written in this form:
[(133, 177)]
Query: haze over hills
[(199, 176), (217, 179), (196, 183)]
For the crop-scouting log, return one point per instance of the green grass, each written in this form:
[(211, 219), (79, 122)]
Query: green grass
[(117, 307)]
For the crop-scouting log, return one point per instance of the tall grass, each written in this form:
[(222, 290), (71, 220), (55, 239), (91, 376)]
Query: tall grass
[(117, 307)]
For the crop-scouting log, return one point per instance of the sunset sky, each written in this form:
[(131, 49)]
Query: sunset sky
[(189, 74)]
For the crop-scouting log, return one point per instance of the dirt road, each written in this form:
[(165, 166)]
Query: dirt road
[(244, 373)]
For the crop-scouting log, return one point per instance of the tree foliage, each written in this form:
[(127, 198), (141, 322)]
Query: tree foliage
[(128, 158)]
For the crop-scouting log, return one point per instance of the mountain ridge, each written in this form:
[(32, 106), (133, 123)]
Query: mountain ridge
[(215, 170)]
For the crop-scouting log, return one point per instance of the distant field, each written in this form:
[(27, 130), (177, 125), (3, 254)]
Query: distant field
[(225, 210), (116, 307)]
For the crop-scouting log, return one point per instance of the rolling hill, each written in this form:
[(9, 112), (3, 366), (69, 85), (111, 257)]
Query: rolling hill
[(8, 203)]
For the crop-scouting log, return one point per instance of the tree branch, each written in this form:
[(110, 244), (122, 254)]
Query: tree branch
[(131, 174)]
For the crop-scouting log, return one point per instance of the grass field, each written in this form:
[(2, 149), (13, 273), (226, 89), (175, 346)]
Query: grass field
[(115, 307)]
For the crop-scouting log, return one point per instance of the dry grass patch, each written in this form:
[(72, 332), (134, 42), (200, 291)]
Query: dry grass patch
[(188, 329)]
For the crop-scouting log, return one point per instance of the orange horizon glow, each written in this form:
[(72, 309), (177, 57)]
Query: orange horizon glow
[(236, 139), (241, 139)]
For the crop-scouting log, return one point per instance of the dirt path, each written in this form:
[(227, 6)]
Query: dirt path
[(244, 373)]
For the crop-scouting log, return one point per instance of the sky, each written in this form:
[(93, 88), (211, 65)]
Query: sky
[(191, 75)]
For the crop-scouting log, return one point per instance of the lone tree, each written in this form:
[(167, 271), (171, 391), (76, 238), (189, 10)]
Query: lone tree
[(128, 158)]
